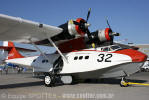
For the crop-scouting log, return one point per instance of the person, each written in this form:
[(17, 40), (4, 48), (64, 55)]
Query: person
[(20, 69), (1, 70), (6, 69)]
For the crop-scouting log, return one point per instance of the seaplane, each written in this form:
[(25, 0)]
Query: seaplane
[(80, 54)]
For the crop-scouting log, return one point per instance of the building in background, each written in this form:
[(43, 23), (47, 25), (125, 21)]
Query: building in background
[(145, 49)]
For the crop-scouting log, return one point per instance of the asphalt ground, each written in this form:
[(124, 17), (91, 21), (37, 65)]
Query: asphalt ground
[(24, 86)]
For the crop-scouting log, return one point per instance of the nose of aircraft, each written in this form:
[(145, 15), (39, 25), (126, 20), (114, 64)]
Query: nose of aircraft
[(135, 55)]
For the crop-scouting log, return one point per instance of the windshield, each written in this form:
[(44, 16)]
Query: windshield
[(115, 47), (106, 49)]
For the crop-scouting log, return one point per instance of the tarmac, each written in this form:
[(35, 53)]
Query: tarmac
[(24, 86)]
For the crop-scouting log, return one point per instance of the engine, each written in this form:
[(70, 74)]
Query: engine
[(72, 29), (75, 29), (104, 35)]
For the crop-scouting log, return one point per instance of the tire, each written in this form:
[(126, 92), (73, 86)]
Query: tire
[(142, 70), (48, 80), (123, 83), (147, 70)]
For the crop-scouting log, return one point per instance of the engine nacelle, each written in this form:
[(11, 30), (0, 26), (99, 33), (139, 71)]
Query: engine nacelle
[(102, 35), (75, 29), (71, 29)]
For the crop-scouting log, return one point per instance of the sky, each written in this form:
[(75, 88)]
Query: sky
[(128, 17)]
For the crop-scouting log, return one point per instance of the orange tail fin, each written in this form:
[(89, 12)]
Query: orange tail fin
[(12, 51)]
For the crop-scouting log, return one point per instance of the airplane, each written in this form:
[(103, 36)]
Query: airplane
[(80, 54), (9, 51)]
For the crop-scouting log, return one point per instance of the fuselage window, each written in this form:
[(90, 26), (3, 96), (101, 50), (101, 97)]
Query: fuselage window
[(86, 57), (46, 61), (34, 60), (101, 49), (43, 61), (81, 57), (75, 58)]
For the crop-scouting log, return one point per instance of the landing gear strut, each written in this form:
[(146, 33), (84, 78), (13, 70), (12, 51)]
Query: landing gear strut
[(52, 76), (124, 82)]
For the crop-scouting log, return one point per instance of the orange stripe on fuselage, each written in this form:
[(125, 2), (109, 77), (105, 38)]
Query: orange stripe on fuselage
[(135, 55)]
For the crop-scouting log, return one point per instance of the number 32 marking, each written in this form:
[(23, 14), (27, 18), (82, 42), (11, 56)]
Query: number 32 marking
[(104, 57)]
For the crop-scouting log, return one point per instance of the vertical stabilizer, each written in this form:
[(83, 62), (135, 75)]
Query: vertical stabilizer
[(12, 51)]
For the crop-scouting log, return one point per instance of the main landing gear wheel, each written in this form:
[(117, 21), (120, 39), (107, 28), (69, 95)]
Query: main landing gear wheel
[(123, 82), (48, 80)]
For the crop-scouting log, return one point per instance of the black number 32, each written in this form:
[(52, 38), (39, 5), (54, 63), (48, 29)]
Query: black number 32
[(104, 57)]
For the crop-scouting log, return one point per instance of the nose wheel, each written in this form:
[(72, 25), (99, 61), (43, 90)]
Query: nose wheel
[(124, 82)]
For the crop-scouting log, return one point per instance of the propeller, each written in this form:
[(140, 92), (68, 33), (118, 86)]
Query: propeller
[(111, 33), (83, 25), (108, 22), (88, 14), (87, 30)]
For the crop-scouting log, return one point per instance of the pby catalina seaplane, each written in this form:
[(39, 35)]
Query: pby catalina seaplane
[(79, 52)]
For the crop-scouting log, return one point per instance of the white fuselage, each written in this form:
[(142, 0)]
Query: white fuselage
[(96, 60), (88, 63), (96, 64)]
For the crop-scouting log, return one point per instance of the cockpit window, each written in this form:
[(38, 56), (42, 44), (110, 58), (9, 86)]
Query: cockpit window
[(106, 49), (115, 47)]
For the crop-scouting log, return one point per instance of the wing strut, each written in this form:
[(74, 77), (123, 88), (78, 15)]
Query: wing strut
[(58, 50), (38, 49)]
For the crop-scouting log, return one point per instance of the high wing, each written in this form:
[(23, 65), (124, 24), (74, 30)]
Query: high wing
[(20, 30), (73, 32)]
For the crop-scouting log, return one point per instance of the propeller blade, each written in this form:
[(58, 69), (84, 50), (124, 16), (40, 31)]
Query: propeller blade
[(89, 11), (107, 22), (83, 25)]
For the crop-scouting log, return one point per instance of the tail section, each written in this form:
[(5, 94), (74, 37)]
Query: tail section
[(13, 53), (11, 49)]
